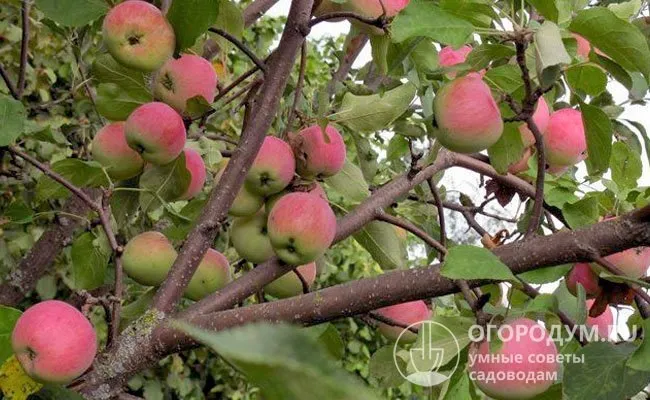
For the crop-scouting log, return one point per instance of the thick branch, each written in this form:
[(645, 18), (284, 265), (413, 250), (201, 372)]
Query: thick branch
[(256, 9)]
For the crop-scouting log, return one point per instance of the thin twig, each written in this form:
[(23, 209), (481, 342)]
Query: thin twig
[(8, 82), (241, 46), (411, 227), (24, 48), (298, 93), (441, 213), (380, 22), (303, 281)]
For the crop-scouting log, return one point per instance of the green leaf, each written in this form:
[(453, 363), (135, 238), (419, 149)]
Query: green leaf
[(191, 18), (327, 335), (478, 12), (626, 166), (547, 8), (8, 318), (581, 213), (483, 55), (231, 20), (367, 158), (54, 392), (380, 239), (89, 261), (72, 13), (505, 78), (422, 18), (349, 182), (639, 359), (471, 262), (543, 303), (546, 275), (168, 182), (382, 367), (79, 173), (604, 374), (598, 129), (114, 103), (587, 78), (12, 119), (549, 48), (619, 39), (508, 150), (137, 308), (615, 70), (374, 112), (379, 46), (435, 336), (626, 10), (283, 361)]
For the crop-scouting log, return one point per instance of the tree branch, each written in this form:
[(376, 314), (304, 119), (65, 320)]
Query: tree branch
[(24, 48), (10, 85), (298, 91), (352, 51), (411, 227), (241, 46), (256, 9)]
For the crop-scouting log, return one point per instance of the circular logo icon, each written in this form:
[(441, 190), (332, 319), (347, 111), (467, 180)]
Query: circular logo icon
[(433, 349)]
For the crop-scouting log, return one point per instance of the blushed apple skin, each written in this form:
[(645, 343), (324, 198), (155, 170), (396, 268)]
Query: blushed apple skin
[(212, 274), (178, 80), (195, 165), (289, 285), (373, 8), (632, 262), (468, 118), (110, 149), (54, 342), (525, 346), (249, 236), (448, 57), (583, 274), (156, 131), (138, 35), (604, 323), (273, 168), (148, 257), (301, 227), (541, 117), (316, 156), (565, 142), (405, 313), (521, 165)]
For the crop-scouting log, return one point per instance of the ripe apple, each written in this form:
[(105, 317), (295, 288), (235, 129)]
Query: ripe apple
[(250, 237), (138, 35), (54, 342), (583, 274), (289, 285), (110, 149), (468, 118), (632, 262), (319, 153), (211, 275), (181, 79), (522, 339), (564, 140), (316, 189), (196, 167), (156, 131), (604, 323), (273, 168), (406, 314), (541, 117), (301, 227)]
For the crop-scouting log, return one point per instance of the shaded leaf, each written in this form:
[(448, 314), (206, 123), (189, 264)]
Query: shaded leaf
[(508, 150), (598, 129), (471, 262), (8, 318), (12, 119), (349, 182), (380, 239), (89, 261)]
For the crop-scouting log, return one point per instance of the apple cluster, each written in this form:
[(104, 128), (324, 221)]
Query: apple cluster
[(138, 36), (469, 119)]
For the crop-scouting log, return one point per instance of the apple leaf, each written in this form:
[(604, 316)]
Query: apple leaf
[(381, 241), (471, 262), (90, 256), (424, 18), (78, 172), (508, 150), (285, 362), (598, 129), (8, 318), (73, 13), (164, 183), (190, 19), (12, 119)]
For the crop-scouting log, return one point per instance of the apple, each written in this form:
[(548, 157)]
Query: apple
[(289, 285), (249, 236), (319, 153), (181, 79), (301, 227), (408, 313), (273, 168), (138, 35), (196, 167), (109, 148), (583, 274), (148, 257), (468, 118), (526, 350), (604, 323), (564, 140), (541, 117), (156, 131), (212, 274), (54, 342)]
